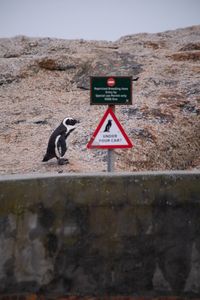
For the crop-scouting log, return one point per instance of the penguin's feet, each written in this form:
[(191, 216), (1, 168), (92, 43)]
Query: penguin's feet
[(63, 161)]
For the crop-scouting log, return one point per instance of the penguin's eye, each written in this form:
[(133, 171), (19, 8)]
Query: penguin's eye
[(72, 122)]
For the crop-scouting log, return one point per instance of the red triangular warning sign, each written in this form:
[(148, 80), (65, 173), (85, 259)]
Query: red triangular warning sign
[(109, 133)]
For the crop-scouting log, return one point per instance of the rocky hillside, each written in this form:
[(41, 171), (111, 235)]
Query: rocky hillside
[(43, 80)]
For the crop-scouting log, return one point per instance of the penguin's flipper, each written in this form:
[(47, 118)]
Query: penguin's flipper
[(68, 133), (60, 146)]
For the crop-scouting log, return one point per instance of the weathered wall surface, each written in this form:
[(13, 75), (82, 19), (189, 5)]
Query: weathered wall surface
[(121, 234)]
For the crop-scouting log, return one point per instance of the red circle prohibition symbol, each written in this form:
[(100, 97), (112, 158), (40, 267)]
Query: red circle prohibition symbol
[(110, 81)]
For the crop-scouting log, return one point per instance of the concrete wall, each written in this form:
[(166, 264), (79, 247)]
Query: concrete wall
[(103, 234)]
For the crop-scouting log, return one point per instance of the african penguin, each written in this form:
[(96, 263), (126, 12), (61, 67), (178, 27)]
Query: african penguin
[(108, 125), (57, 142)]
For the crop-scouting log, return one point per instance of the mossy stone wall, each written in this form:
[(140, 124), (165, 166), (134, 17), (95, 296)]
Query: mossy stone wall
[(100, 234)]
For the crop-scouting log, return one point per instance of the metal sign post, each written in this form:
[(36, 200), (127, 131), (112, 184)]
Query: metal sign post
[(111, 154), (110, 161)]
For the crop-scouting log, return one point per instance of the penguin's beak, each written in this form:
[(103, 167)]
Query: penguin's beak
[(77, 121)]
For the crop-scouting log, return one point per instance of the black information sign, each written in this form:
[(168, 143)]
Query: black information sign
[(111, 90)]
